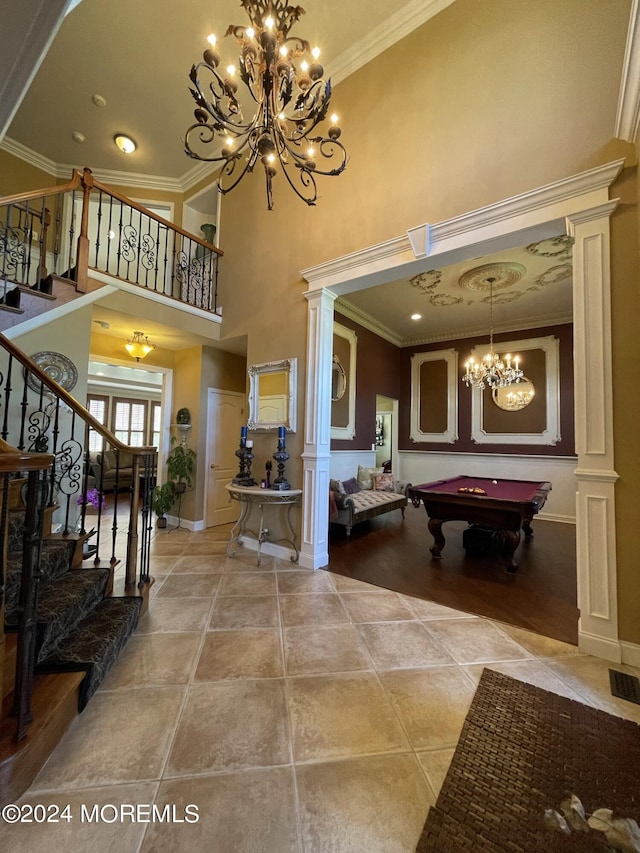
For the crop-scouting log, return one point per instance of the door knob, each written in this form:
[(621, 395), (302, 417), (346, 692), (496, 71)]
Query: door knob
[(214, 466)]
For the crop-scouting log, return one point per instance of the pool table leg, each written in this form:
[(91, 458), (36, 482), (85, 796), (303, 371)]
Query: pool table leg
[(435, 529), (511, 542), (526, 526)]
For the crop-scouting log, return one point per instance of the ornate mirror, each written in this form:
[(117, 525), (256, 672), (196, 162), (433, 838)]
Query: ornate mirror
[(338, 380), (513, 398), (272, 395)]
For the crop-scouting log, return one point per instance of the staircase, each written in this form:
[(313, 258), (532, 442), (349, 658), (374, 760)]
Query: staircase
[(71, 592), (79, 626)]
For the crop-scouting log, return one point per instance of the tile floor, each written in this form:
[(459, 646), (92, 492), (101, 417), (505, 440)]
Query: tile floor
[(297, 710)]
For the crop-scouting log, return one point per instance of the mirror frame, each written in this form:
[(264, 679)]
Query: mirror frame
[(550, 435), (348, 432), (337, 368), (288, 366)]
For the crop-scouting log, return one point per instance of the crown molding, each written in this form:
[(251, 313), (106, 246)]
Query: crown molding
[(404, 21), (108, 176), (367, 321), (628, 114), (425, 239), (347, 309), (17, 149)]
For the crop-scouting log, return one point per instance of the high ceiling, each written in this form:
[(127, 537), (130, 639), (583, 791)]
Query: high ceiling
[(136, 58)]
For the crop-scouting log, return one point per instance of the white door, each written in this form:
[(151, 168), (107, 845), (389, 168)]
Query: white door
[(225, 416)]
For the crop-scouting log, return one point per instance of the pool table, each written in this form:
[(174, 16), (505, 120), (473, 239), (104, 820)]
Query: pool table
[(506, 505)]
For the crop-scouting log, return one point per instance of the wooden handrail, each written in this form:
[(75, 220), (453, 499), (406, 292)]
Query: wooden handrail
[(70, 401), (122, 198), (17, 198), (12, 459)]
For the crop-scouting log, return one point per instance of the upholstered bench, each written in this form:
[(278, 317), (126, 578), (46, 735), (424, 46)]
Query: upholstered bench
[(367, 502)]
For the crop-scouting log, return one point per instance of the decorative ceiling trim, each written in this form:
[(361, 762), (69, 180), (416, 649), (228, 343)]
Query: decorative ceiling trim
[(108, 176), (17, 149), (347, 309), (367, 321), (404, 21), (628, 114)]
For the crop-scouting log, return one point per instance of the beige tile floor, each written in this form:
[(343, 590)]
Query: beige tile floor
[(298, 711)]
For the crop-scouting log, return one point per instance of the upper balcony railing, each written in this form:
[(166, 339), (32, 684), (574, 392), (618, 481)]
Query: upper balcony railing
[(84, 227)]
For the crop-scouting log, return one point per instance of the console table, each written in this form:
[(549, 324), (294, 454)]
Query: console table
[(248, 495)]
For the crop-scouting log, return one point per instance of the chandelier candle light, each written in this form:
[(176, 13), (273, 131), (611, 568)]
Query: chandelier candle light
[(493, 370), (290, 100)]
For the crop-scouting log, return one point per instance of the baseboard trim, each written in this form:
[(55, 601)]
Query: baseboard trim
[(600, 647), (630, 654)]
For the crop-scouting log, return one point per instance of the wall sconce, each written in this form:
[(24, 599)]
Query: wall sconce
[(138, 346)]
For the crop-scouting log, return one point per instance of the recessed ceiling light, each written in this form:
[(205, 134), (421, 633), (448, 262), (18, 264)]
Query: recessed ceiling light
[(99, 101), (125, 143), (77, 136), (416, 316)]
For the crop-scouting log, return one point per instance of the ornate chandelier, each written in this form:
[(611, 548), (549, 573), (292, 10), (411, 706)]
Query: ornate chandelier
[(139, 346), (289, 100), (493, 370)]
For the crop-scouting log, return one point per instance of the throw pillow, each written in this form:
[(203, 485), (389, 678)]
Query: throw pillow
[(365, 476), (384, 483), (351, 486), (336, 486)]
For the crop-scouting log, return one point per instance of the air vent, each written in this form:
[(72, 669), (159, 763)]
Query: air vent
[(625, 686)]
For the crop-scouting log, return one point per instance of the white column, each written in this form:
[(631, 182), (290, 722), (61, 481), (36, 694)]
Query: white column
[(314, 550), (595, 475)]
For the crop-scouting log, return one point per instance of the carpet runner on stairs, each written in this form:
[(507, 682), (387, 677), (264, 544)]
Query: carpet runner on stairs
[(77, 628), (96, 643)]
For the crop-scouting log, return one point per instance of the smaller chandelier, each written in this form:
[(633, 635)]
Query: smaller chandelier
[(138, 346), (493, 370), (288, 100)]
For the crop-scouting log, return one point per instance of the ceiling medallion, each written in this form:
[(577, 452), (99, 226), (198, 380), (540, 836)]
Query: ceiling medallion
[(554, 247), (555, 274), (426, 281), (497, 276)]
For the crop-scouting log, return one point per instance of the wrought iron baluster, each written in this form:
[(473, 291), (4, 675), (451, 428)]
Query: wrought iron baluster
[(99, 217), (109, 232), (7, 399)]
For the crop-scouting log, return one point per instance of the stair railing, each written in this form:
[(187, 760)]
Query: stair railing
[(92, 228), (34, 467), (37, 415)]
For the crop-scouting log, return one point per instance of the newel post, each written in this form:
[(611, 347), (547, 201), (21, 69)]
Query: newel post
[(82, 257)]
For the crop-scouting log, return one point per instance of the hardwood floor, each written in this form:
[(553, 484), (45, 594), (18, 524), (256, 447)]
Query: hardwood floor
[(394, 554)]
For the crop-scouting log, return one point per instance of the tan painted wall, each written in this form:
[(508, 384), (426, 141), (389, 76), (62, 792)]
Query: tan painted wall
[(625, 304), (485, 101), (17, 176)]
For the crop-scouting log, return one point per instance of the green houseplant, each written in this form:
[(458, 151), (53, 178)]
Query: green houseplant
[(162, 500), (183, 416), (181, 465)]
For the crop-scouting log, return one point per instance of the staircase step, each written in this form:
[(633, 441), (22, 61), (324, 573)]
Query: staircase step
[(64, 604), (55, 561), (95, 644)]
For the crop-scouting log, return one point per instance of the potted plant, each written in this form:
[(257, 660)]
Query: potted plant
[(183, 416), (181, 464), (162, 500)]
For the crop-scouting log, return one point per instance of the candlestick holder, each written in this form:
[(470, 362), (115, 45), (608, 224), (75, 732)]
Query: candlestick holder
[(280, 483), (245, 455)]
